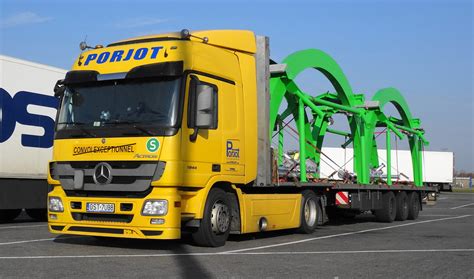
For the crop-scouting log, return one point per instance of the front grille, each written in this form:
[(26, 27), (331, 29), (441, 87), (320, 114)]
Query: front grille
[(108, 194), (96, 230), (76, 205), (57, 228), (99, 217), (152, 233), (126, 207), (113, 164), (115, 179), (121, 176)]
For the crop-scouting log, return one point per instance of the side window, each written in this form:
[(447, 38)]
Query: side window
[(203, 105)]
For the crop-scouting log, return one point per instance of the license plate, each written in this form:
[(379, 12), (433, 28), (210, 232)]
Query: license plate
[(100, 207)]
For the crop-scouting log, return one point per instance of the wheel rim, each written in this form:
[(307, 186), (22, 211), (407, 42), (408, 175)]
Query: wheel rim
[(220, 217), (310, 212)]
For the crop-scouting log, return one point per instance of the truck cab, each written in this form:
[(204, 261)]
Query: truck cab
[(147, 126)]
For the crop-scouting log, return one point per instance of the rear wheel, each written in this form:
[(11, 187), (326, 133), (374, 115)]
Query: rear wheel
[(388, 211), (7, 215), (215, 225), (402, 206), (413, 206), (39, 214), (310, 211)]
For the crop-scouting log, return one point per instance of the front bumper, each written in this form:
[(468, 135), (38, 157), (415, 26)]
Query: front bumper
[(125, 222)]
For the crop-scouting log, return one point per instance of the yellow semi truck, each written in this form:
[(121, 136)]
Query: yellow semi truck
[(160, 134)]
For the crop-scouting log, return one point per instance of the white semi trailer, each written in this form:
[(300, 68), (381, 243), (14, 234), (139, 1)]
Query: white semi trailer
[(27, 114), (438, 167)]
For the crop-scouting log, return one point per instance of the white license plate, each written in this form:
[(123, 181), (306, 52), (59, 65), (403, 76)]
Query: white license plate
[(100, 207)]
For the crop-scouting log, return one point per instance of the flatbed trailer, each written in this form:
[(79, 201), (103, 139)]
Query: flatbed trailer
[(172, 132)]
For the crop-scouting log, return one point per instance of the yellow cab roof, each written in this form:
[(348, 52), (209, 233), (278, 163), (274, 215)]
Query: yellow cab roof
[(240, 40)]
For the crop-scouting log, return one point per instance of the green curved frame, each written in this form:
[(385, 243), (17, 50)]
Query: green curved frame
[(362, 120)]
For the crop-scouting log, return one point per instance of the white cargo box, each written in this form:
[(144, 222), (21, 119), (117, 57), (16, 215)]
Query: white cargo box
[(437, 166), (23, 156)]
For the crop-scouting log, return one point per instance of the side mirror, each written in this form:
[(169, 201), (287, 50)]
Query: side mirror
[(206, 107), (59, 89), (202, 106)]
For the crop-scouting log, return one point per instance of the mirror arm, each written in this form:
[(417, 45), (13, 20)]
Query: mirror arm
[(194, 135)]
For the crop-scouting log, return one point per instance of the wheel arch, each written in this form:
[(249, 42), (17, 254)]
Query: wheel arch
[(196, 203)]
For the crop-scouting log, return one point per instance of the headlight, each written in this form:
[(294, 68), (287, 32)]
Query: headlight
[(55, 204), (155, 207)]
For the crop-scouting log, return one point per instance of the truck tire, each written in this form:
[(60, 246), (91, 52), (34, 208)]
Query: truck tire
[(402, 206), (413, 206), (310, 212), (389, 208), (7, 215), (39, 214), (215, 225)]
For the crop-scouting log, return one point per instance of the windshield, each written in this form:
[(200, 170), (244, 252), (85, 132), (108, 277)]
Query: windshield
[(142, 106)]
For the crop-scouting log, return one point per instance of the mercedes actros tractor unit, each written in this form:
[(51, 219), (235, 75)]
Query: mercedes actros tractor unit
[(176, 132)]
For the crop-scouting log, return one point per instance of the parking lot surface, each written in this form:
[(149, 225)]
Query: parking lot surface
[(439, 244)]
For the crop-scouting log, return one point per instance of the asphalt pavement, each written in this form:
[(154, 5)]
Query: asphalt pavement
[(439, 244)]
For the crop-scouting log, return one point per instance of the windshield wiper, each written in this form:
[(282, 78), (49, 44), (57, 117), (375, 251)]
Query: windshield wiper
[(133, 124), (80, 126)]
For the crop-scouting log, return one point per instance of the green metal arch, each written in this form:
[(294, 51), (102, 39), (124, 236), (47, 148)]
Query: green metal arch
[(319, 60), (362, 120), (307, 59), (392, 95)]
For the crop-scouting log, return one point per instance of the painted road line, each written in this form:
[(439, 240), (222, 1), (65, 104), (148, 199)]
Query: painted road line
[(19, 227), (343, 234), (35, 240), (437, 215), (25, 241), (234, 254), (469, 204), (353, 252)]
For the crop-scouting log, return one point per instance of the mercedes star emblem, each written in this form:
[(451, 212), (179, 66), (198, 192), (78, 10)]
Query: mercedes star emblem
[(102, 174)]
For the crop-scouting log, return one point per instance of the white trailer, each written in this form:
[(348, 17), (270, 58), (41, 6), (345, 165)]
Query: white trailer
[(438, 167), (27, 115)]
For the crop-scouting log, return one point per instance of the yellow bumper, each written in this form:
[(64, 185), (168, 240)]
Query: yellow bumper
[(126, 221)]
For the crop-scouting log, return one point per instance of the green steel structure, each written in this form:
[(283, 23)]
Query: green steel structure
[(363, 116)]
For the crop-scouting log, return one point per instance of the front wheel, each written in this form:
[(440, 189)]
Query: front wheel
[(215, 225), (310, 212)]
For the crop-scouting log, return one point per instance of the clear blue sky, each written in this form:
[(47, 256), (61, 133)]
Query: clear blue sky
[(423, 48)]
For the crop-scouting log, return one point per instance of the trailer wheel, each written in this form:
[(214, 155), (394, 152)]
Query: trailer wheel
[(215, 225), (7, 215), (39, 214), (388, 211), (402, 206), (413, 206), (310, 212)]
